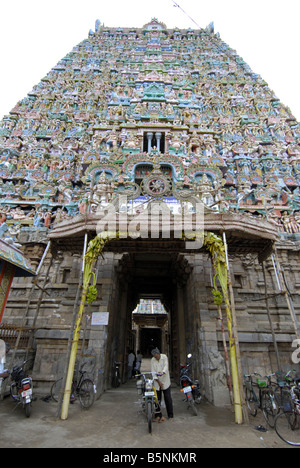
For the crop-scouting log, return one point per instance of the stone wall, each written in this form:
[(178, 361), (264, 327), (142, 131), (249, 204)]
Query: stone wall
[(194, 317)]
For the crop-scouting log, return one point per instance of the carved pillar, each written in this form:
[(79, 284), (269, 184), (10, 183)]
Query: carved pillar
[(158, 137), (149, 137)]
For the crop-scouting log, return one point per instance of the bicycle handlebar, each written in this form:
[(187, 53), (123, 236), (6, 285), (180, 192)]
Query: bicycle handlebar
[(153, 374), (252, 375)]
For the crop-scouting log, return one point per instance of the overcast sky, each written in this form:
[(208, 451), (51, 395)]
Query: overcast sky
[(36, 34)]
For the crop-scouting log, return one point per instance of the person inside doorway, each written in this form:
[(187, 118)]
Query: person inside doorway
[(131, 361), (160, 366), (138, 362)]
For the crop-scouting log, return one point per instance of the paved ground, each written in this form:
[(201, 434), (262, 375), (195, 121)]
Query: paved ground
[(115, 422)]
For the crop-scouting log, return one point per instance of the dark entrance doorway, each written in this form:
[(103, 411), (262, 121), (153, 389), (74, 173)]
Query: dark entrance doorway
[(149, 338), (158, 277)]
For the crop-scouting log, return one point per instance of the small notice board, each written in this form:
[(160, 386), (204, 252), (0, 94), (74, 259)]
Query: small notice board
[(100, 318)]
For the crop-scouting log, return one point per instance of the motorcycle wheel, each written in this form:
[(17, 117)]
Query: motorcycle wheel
[(149, 416), (193, 407), (14, 391), (27, 410)]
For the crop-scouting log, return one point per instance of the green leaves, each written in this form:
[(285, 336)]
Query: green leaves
[(92, 294), (215, 246)]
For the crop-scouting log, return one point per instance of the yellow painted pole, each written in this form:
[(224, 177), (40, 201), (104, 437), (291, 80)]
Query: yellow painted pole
[(94, 248), (234, 366), (217, 247), (236, 384), (73, 355)]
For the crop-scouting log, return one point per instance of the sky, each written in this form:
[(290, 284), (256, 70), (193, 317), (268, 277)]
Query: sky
[(36, 34)]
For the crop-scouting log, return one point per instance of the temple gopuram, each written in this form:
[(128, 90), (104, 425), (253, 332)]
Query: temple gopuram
[(153, 115)]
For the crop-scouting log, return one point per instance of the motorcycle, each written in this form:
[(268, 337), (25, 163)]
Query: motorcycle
[(21, 388), (190, 388), (150, 404)]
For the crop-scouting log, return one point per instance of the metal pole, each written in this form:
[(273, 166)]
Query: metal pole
[(43, 258), (288, 297), (270, 319), (276, 273)]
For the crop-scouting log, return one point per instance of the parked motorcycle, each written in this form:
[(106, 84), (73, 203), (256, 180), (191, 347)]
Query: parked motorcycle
[(21, 388), (190, 387), (150, 404)]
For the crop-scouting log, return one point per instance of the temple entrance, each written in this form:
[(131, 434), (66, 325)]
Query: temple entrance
[(151, 326), (150, 338), (151, 297)]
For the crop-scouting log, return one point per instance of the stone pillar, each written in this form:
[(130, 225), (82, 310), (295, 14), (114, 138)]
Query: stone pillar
[(149, 137), (158, 137), (77, 264)]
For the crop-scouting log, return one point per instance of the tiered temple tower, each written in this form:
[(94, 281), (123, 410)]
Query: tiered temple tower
[(152, 113)]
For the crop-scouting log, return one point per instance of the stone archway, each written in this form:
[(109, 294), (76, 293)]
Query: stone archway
[(243, 233)]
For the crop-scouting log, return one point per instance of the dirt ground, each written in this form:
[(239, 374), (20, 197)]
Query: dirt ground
[(115, 421)]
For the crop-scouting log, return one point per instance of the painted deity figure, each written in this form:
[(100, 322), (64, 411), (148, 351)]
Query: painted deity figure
[(205, 191), (102, 190)]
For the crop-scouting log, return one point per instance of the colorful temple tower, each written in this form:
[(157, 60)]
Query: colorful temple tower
[(155, 114)]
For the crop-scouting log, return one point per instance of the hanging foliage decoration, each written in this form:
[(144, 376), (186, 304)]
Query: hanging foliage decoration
[(216, 248), (92, 292)]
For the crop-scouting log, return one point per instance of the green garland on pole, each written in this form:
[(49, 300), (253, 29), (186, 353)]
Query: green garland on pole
[(216, 248), (214, 245), (94, 249)]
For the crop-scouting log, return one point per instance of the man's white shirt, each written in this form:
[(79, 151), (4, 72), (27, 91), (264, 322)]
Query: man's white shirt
[(161, 367)]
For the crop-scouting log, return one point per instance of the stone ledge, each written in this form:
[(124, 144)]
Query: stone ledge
[(52, 334), (259, 337)]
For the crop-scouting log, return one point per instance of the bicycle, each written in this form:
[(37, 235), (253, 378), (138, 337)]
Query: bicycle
[(287, 423), (116, 378), (282, 390), (150, 403), (84, 389), (265, 400)]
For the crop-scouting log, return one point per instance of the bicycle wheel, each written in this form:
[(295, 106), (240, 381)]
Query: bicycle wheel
[(250, 401), (287, 427), (86, 393), (149, 416), (269, 409), (56, 389)]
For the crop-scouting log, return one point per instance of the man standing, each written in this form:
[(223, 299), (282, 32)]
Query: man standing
[(160, 366)]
